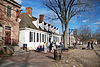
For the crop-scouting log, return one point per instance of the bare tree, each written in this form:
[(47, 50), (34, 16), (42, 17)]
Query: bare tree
[(65, 10), (96, 34), (75, 35), (51, 17), (84, 33)]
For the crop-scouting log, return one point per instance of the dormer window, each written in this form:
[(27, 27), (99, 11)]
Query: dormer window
[(8, 11)]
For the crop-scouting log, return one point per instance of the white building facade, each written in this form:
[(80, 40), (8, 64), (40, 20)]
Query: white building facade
[(34, 32)]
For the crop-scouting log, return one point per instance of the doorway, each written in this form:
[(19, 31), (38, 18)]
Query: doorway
[(7, 37)]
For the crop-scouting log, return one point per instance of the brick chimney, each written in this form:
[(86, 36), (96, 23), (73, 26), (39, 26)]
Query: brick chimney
[(41, 18), (29, 11)]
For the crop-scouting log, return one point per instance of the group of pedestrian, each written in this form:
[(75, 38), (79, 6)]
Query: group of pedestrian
[(90, 45), (54, 45), (51, 46)]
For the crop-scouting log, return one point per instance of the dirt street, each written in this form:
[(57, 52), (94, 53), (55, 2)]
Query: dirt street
[(71, 58)]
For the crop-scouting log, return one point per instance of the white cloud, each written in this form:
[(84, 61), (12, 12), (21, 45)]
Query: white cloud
[(19, 1), (97, 23), (84, 21)]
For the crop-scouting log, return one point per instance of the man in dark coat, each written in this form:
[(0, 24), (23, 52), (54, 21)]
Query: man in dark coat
[(92, 45), (88, 46)]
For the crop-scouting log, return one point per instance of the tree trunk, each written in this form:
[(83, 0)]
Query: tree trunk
[(63, 32), (65, 36)]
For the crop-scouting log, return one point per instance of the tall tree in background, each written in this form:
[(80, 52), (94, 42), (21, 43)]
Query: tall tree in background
[(96, 35), (75, 35), (65, 10), (84, 33)]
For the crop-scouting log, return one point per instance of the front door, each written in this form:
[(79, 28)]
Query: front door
[(7, 37)]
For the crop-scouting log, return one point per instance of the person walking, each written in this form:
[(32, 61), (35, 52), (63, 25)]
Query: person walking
[(74, 45), (50, 47), (61, 45), (92, 45), (45, 47), (53, 46), (88, 46)]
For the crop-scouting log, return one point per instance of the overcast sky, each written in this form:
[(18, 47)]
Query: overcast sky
[(91, 18)]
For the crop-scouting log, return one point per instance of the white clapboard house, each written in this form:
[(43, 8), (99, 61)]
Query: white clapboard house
[(35, 32)]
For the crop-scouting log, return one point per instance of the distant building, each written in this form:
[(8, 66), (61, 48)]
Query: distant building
[(34, 31), (9, 25), (70, 39)]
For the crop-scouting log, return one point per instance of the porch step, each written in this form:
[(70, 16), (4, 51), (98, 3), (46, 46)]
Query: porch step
[(11, 50), (6, 50)]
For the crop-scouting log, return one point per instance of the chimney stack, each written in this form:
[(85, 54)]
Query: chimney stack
[(29, 11), (41, 18)]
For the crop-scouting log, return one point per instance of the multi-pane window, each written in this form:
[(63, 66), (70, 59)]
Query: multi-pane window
[(7, 28), (31, 36), (42, 37), (8, 11), (34, 36), (45, 38), (37, 37)]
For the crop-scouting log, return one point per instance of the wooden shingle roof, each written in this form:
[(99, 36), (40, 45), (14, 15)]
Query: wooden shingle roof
[(34, 18), (26, 21)]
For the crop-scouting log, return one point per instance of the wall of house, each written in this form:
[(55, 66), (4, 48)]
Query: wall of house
[(9, 21), (33, 44), (21, 37), (72, 39)]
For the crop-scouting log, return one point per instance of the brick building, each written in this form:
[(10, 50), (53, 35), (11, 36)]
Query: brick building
[(9, 23)]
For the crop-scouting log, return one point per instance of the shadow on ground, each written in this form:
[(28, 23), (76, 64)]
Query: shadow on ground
[(50, 57), (13, 61)]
